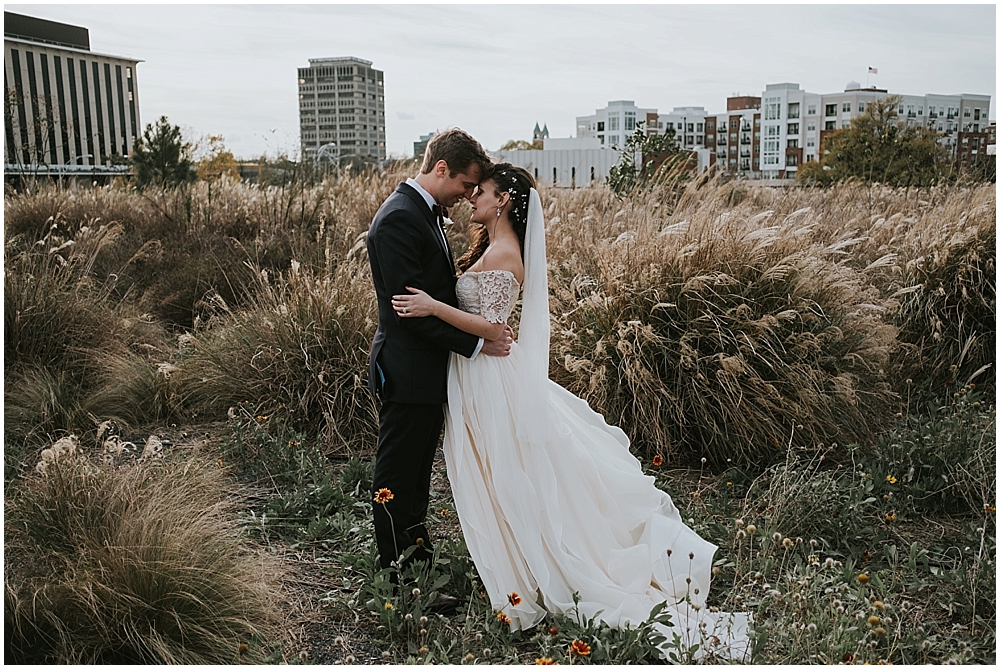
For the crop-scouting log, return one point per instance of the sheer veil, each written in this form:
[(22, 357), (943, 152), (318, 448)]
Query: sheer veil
[(533, 332)]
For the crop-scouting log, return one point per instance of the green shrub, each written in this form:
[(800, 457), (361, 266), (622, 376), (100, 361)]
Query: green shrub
[(131, 564)]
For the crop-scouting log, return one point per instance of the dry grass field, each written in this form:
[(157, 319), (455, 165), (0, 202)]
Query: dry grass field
[(188, 430)]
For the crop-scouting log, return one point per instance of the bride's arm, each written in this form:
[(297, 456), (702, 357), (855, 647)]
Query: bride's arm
[(420, 304)]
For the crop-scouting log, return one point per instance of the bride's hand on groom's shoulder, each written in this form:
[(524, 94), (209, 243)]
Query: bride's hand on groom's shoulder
[(415, 305)]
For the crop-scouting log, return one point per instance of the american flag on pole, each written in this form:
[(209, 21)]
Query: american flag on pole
[(872, 70)]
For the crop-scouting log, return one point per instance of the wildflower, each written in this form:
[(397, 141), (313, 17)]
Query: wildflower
[(878, 606), (383, 495), (422, 650), (479, 637), (847, 657), (388, 606), (787, 543), (553, 630), (874, 620), (502, 617), (408, 617), (444, 512), (776, 537), (350, 659), (880, 632), (487, 652), (514, 599), (261, 419), (420, 540), (890, 516), (545, 660), (339, 641), (751, 529), (243, 648), (579, 647), (416, 592), (385, 655), (811, 627), (469, 657), (423, 620), (729, 483), (863, 579), (691, 555), (739, 522), (989, 509), (657, 460), (716, 571)]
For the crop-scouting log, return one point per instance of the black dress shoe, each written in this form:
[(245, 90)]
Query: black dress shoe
[(443, 604)]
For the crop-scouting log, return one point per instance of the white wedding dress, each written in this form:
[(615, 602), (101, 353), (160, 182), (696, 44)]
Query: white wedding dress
[(566, 509)]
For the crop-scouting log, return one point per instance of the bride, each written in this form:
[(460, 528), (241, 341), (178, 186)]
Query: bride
[(550, 499)]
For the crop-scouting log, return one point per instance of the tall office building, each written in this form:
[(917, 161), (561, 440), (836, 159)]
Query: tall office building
[(341, 109), (67, 109)]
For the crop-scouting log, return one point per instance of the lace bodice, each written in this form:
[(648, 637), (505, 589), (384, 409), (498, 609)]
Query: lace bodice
[(491, 294)]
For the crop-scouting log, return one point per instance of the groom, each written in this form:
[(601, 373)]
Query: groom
[(408, 365)]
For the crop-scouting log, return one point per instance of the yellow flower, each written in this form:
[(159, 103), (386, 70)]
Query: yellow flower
[(787, 543), (890, 478), (880, 631), (579, 647), (891, 516), (502, 617), (388, 606), (874, 620), (990, 509), (444, 512), (514, 599), (657, 460), (878, 605), (383, 495), (545, 660), (863, 579)]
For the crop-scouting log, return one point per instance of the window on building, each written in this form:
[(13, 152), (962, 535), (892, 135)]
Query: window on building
[(670, 125), (861, 107), (810, 142), (920, 110), (772, 131), (700, 127), (772, 108), (846, 107), (699, 140), (709, 138), (966, 112), (811, 126), (613, 139), (732, 150), (756, 162), (793, 128), (811, 110), (629, 121), (846, 124), (601, 137), (600, 126), (831, 110), (793, 110), (810, 157), (830, 125), (791, 160), (710, 125), (975, 114), (690, 127), (793, 143), (614, 122)]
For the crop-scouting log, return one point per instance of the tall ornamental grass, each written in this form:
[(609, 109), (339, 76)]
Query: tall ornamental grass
[(298, 350), (131, 564), (723, 337)]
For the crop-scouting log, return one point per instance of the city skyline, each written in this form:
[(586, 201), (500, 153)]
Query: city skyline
[(497, 70)]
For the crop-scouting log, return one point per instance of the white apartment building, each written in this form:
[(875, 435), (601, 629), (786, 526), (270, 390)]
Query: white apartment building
[(794, 122), (72, 112), (612, 125), (342, 109)]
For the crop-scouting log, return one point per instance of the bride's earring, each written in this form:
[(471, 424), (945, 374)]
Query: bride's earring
[(499, 209)]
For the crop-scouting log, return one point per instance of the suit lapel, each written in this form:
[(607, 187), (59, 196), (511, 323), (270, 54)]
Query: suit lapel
[(436, 230)]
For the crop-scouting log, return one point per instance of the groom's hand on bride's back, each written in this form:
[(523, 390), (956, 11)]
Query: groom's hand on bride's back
[(500, 346)]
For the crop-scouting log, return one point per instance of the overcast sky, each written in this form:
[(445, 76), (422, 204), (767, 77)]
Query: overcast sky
[(496, 70)]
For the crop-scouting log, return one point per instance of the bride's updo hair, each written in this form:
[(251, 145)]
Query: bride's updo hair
[(518, 183)]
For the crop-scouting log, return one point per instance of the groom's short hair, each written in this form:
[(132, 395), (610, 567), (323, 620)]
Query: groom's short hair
[(457, 148)]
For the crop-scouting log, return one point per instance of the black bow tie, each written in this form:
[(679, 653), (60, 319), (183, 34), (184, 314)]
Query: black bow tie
[(440, 214)]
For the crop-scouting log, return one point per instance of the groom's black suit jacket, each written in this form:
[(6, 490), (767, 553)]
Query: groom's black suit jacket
[(405, 248)]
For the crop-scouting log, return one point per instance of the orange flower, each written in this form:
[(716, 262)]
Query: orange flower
[(502, 617), (863, 579), (579, 647), (657, 460), (514, 599), (383, 495), (545, 660)]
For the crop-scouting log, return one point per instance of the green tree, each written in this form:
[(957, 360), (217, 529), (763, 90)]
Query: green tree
[(880, 147), (162, 157), (644, 159)]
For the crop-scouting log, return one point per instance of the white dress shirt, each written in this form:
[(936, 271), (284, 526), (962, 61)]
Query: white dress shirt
[(429, 199)]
